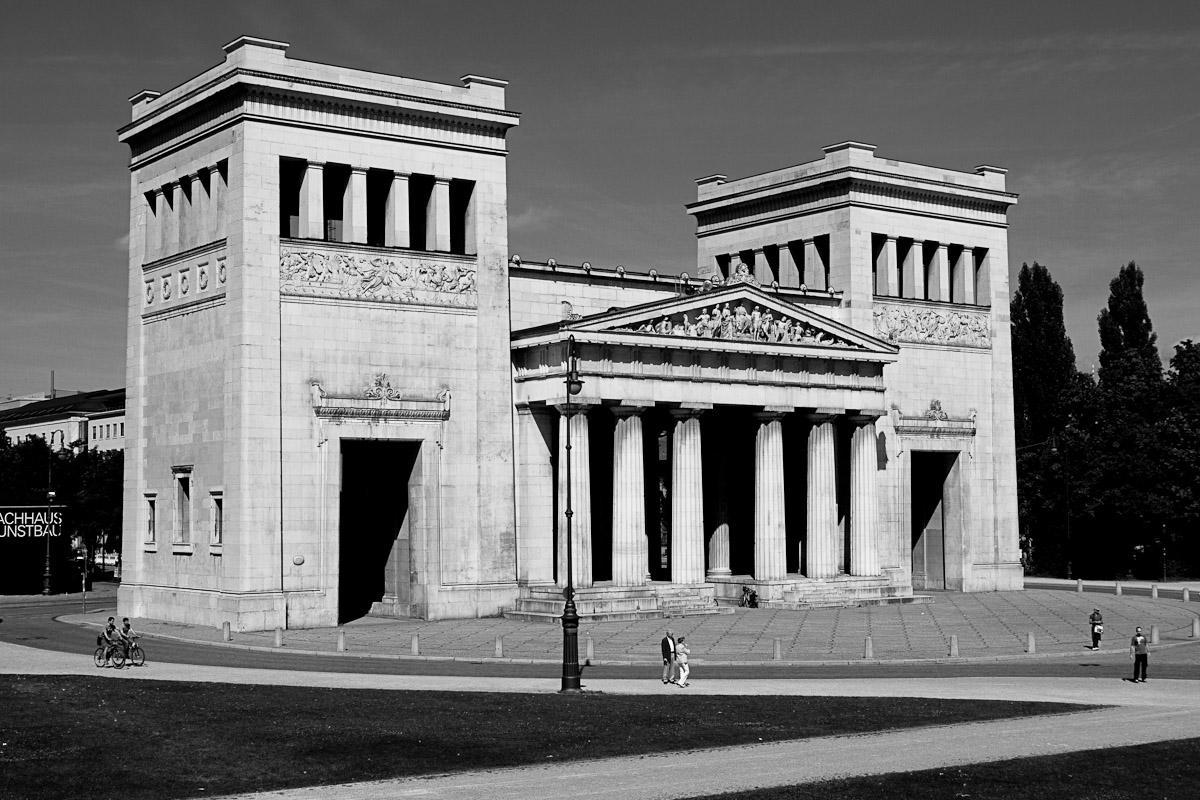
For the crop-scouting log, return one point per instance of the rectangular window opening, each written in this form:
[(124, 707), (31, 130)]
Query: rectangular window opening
[(462, 217), (291, 179), (151, 516), (379, 183), (336, 184), (183, 504), (420, 192), (217, 500)]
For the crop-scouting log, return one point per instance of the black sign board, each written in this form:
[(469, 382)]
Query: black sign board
[(27, 533)]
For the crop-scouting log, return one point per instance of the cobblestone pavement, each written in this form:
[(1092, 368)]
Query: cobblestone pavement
[(988, 626)]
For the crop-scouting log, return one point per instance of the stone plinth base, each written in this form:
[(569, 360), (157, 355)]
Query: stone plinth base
[(798, 592), (607, 603)]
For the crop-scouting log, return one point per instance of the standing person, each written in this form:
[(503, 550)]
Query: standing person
[(668, 656), (1139, 653), (1097, 622), (682, 651)]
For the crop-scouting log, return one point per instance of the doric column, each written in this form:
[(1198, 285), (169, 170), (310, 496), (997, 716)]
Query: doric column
[(201, 208), (629, 556), (687, 498), (864, 510), (889, 270), (154, 225), (188, 186), (964, 277), (216, 200), (437, 217), (770, 535), (170, 229), (814, 270), (939, 275), (718, 542), (789, 273), (914, 271), (354, 207), (395, 230), (762, 268), (312, 201), (822, 498), (581, 497)]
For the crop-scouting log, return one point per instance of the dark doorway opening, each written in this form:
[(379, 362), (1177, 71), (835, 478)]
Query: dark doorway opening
[(930, 472), (374, 529)]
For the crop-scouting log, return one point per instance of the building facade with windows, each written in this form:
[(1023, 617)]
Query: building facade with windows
[(347, 397), (79, 420)]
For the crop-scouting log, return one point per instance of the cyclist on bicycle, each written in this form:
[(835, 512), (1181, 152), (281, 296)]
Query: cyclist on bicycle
[(111, 638), (126, 634)]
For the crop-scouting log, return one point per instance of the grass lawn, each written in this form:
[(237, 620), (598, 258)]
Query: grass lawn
[(76, 737), (1159, 771)]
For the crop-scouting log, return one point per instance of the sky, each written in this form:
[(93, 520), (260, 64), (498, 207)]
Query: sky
[(1093, 108)]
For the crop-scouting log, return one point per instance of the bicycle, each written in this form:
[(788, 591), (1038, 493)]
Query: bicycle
[(105, 652), (134, 653)]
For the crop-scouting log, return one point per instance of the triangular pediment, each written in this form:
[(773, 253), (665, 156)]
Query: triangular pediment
[(743, 314)]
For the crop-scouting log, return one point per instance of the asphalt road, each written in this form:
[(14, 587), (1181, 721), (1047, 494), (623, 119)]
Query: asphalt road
[(34, 625)]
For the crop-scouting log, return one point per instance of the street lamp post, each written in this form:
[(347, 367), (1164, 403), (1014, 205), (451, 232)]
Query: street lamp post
[(570, 618), (46, 575)]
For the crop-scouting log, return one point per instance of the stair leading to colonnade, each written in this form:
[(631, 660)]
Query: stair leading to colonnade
[(605, 602)]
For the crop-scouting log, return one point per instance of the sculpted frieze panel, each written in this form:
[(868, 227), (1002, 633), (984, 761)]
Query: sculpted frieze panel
[(362, 276), (921, 325), (740, 323)]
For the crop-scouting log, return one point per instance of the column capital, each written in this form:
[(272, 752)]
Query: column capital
[(437, 179), (769, 416), (819, 416), (158, 191), (314, 165), (622, 411), (212, 169), (363, 170), (689, 410), (576, 407), (865, 416)]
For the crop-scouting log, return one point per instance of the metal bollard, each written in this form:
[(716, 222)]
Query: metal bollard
[(778, 654), (1031, 645), (499, 647), (1118, 588), (416, 644), (1079, 585), (1186, 595), (1196, 627), (225, 635), (591, 649), (1153, 634), (954, 645), (1154, 591), (868, 648), (278, 636), (341, 640)]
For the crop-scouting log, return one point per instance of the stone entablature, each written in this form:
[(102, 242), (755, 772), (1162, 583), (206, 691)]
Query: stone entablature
[(346, 272), (919, 323), (198, 276)]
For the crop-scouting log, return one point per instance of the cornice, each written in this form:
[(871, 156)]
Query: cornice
[(238, 74)]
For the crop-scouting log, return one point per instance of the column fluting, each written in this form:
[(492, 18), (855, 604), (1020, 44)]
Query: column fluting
[(770, 537), (864, 510), (581, 498), (687, 499), (629, 556), (822, 530)]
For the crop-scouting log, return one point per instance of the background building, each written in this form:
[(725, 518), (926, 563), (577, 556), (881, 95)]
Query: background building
[(82, 420)]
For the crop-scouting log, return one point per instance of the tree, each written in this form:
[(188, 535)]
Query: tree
[(1181, 456), (1131, 505), (1048, 391)]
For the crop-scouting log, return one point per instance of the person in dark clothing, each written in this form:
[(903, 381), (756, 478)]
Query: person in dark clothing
[(1097, 623), (1139, 653), (668, 656)]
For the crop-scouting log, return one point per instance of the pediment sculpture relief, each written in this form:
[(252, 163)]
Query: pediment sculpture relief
[(741, 324)]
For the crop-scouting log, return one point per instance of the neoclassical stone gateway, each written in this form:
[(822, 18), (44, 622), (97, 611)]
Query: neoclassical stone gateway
[(346, 397)]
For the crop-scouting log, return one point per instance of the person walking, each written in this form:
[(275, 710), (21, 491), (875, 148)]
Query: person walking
[(682, 651), (1139, 653), (668, 656), (1097, 623)]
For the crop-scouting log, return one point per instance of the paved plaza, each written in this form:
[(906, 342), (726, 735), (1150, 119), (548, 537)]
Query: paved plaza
[(990, 625)]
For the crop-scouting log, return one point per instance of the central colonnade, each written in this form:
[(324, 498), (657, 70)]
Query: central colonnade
[(836, 538)]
